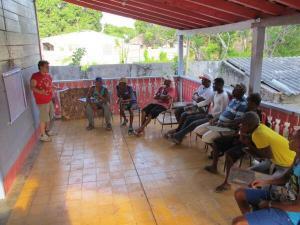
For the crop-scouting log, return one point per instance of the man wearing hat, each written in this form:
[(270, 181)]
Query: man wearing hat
[(161, 102), (201, 99), (127, 101), (98, 98)]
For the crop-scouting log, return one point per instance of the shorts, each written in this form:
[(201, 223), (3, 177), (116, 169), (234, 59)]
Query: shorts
[(269, 216), (231, 145), (154, 110), (46, 112), (130, 106)]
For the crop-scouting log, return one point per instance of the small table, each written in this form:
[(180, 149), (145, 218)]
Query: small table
[(84, 100)]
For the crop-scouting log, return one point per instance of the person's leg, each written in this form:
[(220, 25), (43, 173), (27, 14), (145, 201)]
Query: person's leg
[(250, 198), (232, 156), (107, 115), (178, 113), (131, 114), (202, 129), (44, 119), (178, 136), (210, 136), (219, 146), (122, 114), (90, 116)]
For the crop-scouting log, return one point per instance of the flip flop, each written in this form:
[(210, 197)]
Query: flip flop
[(209, 169), (222, 188)]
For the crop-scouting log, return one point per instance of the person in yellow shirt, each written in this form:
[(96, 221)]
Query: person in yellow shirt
[(264, 143)]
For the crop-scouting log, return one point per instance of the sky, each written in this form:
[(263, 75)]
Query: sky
[(117, 20)]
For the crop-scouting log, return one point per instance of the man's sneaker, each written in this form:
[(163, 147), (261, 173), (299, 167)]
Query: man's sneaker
[(45, 138), (108, 127), (130, 131), (90, 127), (51, 133)]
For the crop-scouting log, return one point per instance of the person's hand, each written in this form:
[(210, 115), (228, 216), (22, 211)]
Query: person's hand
[(258, 183), (263, 204)]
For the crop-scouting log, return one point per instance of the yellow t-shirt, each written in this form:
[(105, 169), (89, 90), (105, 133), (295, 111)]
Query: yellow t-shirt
[(264, 136)]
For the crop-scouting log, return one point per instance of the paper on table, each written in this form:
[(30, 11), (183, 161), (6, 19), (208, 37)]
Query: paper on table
[(218, 129)]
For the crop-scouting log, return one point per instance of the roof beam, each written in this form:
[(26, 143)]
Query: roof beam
[(218, 29), (117, 5), (136, 5), (262, 5), (293, 19), (290, 3), (177, 12), (227, 7), (116, 12), (201, 10)]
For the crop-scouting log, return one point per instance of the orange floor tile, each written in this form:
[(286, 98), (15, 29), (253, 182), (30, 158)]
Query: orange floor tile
[(108, 178)]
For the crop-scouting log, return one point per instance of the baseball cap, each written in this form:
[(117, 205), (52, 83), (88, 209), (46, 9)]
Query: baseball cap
[(98, 79), (123, 80)]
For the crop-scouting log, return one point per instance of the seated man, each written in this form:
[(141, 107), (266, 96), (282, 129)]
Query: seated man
[(98, 98), (219, 103), (201, 98), (278, 204), (127, 101), (161, 102), (228, 119), (231, 145)]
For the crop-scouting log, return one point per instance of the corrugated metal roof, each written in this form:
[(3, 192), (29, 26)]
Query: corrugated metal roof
[(280, 73)]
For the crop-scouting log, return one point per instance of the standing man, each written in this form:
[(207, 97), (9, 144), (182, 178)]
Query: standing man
[(127, 101), (42, 87), (98, 98)]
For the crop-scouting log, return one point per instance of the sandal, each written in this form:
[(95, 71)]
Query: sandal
[(211, 169), (223, 188)]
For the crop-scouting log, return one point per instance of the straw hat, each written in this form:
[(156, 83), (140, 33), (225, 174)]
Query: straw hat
[(206, 76)]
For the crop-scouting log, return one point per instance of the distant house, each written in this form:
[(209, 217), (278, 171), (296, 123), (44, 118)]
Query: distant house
[(100, 48), (280, 77)]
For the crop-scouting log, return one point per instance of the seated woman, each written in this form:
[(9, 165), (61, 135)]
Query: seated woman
[(127, 101), (161, 102), (278, 204), (98, 98)]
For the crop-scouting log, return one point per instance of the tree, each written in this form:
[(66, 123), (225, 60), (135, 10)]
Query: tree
[(77, 56), (59, 17), (122, 32)]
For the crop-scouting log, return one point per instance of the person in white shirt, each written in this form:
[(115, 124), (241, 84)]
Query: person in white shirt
[(219, 103)]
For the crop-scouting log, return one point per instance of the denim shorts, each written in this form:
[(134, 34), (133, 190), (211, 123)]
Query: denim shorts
[(269, 216)]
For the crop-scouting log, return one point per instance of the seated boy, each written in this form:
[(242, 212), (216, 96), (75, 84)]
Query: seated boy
[(279, 204), (127, 101), (161, 102)]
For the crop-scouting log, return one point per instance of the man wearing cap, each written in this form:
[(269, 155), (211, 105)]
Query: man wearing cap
[(98, 98), (127, 101), (161, 102)]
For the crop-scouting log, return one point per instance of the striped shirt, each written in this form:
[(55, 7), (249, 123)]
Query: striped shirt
[(235, 109)]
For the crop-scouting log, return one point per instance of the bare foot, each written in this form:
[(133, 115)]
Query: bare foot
[(223, 187)]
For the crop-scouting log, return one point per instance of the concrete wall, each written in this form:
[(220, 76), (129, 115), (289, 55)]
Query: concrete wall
[(19, 44), (197, 68), (112, 71)]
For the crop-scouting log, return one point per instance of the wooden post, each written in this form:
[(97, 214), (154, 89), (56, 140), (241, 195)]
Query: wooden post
[(180, 70), (258, 42)]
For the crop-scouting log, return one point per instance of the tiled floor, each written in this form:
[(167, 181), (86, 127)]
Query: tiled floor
[(108, 178)]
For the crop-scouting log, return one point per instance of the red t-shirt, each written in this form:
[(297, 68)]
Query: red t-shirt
[(170, 91), (43, 82)]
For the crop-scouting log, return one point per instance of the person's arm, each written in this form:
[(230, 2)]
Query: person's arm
[(35, 89), (208, 97), (263, 153)]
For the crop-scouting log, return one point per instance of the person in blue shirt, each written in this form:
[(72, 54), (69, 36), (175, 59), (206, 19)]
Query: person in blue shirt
[(279, 203), (127, 101)]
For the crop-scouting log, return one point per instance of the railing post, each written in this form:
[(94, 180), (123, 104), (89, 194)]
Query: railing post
[(180, 69), (258, 42)]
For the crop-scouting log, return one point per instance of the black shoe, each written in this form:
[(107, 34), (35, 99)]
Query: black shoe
[(108, 127), (90, 127)]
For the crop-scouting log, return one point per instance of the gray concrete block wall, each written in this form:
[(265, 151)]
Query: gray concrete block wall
[(19, 43), (112, 71)]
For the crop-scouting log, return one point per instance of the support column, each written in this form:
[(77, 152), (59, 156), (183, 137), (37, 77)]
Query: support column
[(258, 43), (2, 192), (180, 68)]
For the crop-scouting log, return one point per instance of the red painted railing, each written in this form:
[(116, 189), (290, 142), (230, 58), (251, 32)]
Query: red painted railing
[(145, 88)]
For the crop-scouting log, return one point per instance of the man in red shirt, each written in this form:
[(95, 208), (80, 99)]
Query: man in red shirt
[(161, 102), (42, 87)]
